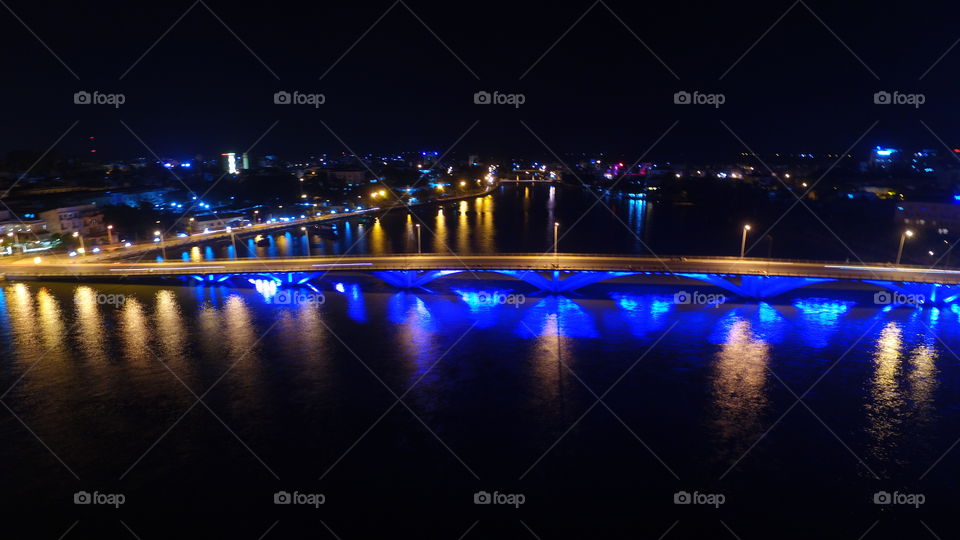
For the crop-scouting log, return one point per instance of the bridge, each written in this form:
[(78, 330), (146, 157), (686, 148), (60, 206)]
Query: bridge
[(553, 273)]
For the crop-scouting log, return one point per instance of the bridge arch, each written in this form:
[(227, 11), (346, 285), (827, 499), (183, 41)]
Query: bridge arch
[(927, 293), (556, 282), (757, 286)]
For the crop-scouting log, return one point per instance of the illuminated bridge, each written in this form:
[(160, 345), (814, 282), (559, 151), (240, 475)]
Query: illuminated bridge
[(746, 278)]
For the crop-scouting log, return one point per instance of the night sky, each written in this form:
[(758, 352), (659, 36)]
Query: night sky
[(203, 90)]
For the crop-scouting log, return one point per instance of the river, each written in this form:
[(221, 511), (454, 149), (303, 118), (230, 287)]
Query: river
[(603, 409)]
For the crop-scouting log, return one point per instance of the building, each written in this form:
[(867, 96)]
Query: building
[(87, 220), (24, 236), (884, 158), (216, 222), (924, 161), (131, 197), (234, 163), (943, 217), (345, 177)]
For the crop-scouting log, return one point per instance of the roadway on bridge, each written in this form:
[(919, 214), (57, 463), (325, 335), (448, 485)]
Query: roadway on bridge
[(535, 262)]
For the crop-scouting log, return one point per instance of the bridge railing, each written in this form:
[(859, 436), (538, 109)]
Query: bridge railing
[(547, 256)]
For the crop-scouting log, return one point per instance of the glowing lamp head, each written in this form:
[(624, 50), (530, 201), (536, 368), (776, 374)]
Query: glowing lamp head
[(909, 233), (746, 227)]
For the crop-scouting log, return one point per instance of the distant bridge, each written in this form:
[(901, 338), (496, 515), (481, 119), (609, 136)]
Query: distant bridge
[(746, 278)]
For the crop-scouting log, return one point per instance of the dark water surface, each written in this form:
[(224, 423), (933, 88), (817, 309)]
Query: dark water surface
[(518, 218)]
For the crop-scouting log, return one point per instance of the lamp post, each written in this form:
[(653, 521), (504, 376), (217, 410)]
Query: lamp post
[(906, 234), (233, 240), (306, 236), (109, 234), (743, 240), (163, 247), (83, 249), (556, 239), (418, 240)]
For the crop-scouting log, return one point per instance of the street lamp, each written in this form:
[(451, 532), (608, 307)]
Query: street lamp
[(743, 240), (418, 239), (556, 238), (163, 248), (306, 237), (109, 234), (83, 249), (906, 234)]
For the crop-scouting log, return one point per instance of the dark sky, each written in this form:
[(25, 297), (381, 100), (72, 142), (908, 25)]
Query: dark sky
[(200, 90)]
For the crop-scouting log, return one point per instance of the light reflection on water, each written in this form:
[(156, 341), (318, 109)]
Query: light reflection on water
[(172, 335), (91, 335), (135, 331), (901, 390), (51, 325), (26, 339), (740, 386)]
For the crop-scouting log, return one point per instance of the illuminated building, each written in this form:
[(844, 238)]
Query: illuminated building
[(884, 158), (924, 161), (230, 163)]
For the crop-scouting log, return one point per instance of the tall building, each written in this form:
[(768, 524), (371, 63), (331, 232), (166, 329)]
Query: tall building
[(884, 158), (230, 162)]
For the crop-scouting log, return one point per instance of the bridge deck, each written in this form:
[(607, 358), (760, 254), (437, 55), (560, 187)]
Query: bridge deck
[(535, 262)]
